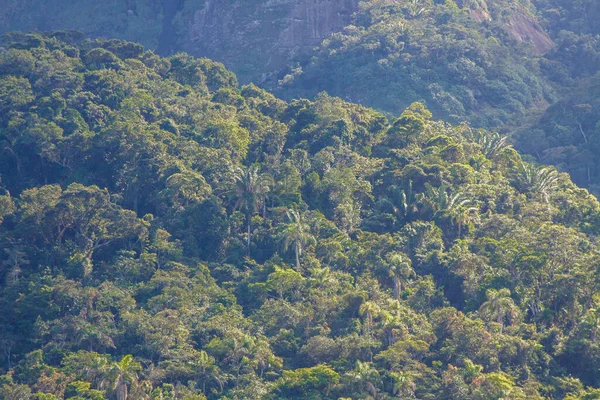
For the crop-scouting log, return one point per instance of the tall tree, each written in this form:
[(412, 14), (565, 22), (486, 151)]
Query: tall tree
[(366, 377), (206, 370), (296, 234), (400, 269), (498, 306), (369, 309), (251, 190), (123, 375)]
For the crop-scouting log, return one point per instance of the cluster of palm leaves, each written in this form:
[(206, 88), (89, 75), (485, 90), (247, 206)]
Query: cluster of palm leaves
[(405, 205), (116, 377), (492, 143), (251, 190), (296, 234), (499, 307), (536, 181)]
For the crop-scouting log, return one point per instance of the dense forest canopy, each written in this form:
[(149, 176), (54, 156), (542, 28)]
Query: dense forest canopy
[(523, 67), (503, 65), (167, 234)]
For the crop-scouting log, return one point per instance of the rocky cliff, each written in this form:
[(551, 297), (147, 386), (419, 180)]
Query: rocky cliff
[(256, 36), (252, 37), (249, 36), (518, 19)]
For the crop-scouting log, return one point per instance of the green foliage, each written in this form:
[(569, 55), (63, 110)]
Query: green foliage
[(168, 235), (304, 382), (458, 58), (525, 66)]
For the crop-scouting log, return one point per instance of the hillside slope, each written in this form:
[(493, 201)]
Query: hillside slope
[(254, 38), (477, 63), (167, 234), (497, 64)]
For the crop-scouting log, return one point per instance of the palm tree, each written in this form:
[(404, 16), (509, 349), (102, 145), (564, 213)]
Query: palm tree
[(498, 306), (404, 385), (264, 357), (204, 366), (124, 374), (536, 181), (296, 235), (369, 309), (404, 202), (463, 216), (441, 202), (492, 143), (458, 206), (392, 325), (366, 377), (400, 268), (416, 8), (437, 199), (251, 190)]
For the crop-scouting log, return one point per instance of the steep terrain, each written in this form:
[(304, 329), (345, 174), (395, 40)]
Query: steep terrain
[(481, 63), (139, 21), (167, 43), (166, 234), (256, 38), (253, 37)]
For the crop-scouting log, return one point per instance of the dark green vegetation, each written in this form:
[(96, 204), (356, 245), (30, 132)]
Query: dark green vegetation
[(168, 235), (524, 66), (496, 64), (136, 20), (464, 63), (568, 135)]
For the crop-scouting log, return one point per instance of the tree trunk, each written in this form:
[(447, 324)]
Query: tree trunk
[(500, 319), (16, 158), (397, 287), (248, 251), (582, 132), (121, 389)]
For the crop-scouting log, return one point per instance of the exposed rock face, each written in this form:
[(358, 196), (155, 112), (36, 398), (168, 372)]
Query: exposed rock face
[(250, 36), (519, 24), (272, 31), (480, 15), (525, 29)]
